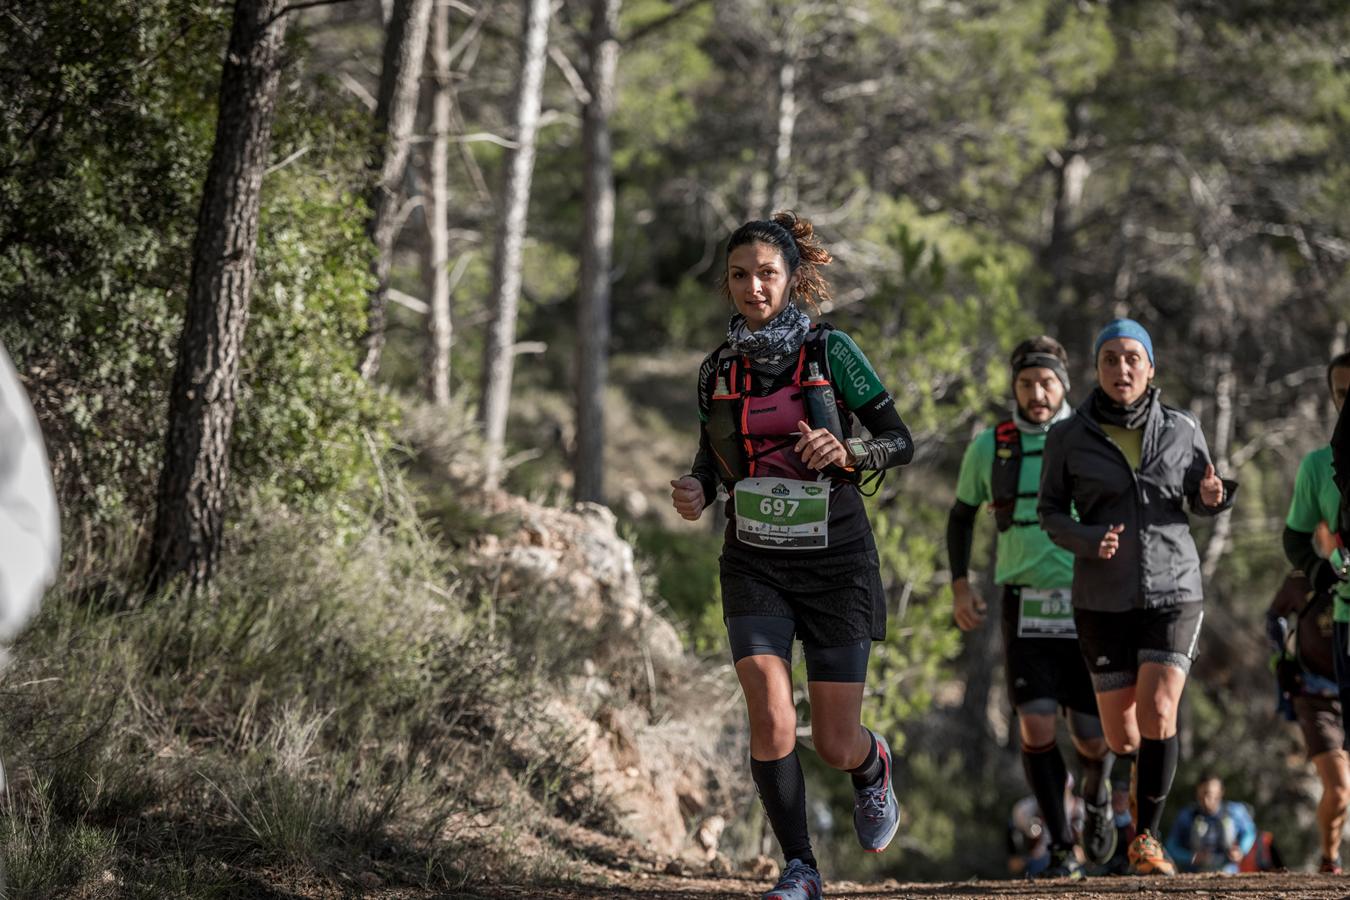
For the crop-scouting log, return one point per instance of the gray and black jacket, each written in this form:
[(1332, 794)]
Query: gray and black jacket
[(1157, 564)]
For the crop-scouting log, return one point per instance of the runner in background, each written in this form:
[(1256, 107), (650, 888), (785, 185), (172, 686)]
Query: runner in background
[(1321, 575), (1117, 479), (1042, 662), (1212, 834)]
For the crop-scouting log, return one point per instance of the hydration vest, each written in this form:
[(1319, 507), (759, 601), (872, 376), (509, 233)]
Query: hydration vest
[(1007, 472), (750, 436), (1313, 643)]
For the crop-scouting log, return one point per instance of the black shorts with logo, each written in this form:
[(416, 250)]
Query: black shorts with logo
[(1114, 644), (835, 598), (1039, 668)]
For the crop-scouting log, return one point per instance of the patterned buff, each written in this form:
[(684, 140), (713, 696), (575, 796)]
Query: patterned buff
[(781, 335)]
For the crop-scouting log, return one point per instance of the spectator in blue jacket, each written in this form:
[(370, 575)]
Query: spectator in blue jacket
[(1211, 834)]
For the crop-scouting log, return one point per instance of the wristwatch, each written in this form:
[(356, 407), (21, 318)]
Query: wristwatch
[(857, 450)]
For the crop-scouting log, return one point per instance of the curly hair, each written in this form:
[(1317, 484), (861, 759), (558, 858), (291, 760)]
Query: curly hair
[(795, 238)]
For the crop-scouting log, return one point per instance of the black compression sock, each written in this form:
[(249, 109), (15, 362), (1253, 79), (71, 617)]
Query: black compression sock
[(1157, 766), (871, 770), (782, 790), (1046, 775), (1096, 787)]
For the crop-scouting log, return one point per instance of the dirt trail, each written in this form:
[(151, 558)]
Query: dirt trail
[(646, 886)]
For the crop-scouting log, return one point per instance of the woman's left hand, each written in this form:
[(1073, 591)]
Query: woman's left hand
[(819, 448), (1211, 488)]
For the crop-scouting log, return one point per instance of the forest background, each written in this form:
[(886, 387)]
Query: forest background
[(981, 171)]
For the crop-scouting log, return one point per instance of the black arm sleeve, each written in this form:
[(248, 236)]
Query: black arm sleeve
[(890, 444), (704, 468), (1340, 463), (960, 538), (1298, 549)]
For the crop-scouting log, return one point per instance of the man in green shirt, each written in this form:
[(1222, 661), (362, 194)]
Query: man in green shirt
[(1044, 667), (1316, 502)]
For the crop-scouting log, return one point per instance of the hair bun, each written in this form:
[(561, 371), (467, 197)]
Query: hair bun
[(800, 229), (804, 236)]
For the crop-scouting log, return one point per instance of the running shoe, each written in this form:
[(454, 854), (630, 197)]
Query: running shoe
[(1099, 833), (1330, 866), (1063, 864), (1147, 857), (876, 812), (798, 881)]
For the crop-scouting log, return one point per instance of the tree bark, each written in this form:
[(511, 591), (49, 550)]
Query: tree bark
[(597, 251), (1225, 386), (780, 188), (438, 220), (1070, 169), (395, 115), (192, 485), (499, 348)]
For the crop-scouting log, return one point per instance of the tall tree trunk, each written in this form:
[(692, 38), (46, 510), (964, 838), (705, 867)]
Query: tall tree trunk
[(1071, 171), (596, 252), (780, 188), (395, 114), (1224, 388), (499, 349), (438, 218), (190, 502)]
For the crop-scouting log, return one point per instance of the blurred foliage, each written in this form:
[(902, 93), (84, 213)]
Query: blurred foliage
[(107, 152)]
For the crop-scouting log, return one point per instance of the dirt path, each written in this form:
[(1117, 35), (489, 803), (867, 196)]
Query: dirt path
[(645, 886)]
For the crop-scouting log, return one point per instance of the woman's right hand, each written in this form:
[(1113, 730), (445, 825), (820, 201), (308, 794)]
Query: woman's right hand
[(687, 496), (968, 607), (1110, 542)]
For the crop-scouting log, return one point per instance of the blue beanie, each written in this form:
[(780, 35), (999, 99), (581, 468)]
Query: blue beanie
[(1124, 328)]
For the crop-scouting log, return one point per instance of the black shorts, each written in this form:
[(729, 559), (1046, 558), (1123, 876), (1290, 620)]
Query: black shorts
[(1319, 718), (1041, 668), (1115, 644), (834, 600)]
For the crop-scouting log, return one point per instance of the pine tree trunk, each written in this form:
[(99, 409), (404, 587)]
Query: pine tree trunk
[(780, 190), (438, 221), (395, 114), (499, 348), (1071, 170), (192, 485), (597, 253)]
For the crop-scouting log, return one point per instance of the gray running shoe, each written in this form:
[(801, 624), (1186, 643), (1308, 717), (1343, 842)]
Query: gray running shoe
[(1099, 833), (798, 881), (876, 812), (1063, 864)]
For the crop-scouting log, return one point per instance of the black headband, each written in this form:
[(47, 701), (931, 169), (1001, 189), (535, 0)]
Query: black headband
[(1043, 360), (769, 232)]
